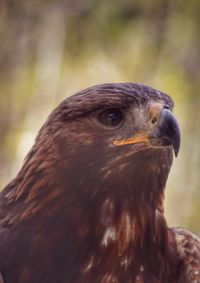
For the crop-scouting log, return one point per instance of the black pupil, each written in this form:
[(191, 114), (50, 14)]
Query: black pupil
[(110, 117)]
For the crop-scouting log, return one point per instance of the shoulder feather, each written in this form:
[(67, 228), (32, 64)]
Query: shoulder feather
[(188, 248)]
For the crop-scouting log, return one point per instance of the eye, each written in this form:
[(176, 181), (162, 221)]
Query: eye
[(110, 117), (154, 120)]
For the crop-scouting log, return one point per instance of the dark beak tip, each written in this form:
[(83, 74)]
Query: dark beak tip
[(176, 136), (176, 148), (176, 151), (177, 142), (168, 130)]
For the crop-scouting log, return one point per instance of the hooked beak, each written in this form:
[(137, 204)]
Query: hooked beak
[(166, 132)]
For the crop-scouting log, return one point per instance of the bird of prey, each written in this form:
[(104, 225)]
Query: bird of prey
[(87, 204)]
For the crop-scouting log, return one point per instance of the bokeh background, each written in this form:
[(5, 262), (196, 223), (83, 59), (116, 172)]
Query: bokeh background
[(52, 49)]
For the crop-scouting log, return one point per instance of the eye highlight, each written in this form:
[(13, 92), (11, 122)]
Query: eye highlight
[(110, 117)]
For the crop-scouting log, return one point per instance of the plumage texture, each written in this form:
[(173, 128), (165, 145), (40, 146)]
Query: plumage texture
[(188, 249), (83, 210)]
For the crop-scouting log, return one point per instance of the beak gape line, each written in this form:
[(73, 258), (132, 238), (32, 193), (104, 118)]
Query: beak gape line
[(132, 140)]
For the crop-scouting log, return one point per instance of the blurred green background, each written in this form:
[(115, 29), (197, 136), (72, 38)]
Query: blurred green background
[(51, 49)]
